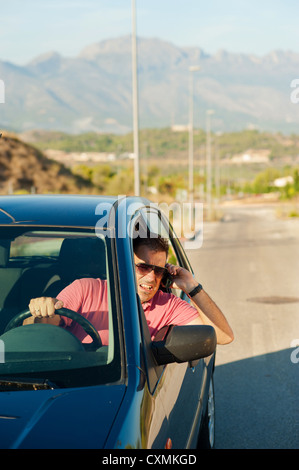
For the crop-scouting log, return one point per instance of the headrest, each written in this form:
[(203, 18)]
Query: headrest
[(4, 252), (82, 257)]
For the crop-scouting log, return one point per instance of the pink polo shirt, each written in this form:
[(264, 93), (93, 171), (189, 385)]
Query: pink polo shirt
[(89, 298), (167, 309)]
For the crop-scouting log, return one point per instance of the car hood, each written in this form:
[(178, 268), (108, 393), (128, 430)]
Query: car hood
[(72, 418)]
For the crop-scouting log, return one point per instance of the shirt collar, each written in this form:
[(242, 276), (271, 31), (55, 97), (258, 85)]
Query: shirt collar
[(147, 305)]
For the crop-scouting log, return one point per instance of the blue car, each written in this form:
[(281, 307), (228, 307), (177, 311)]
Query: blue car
[(57, 392)]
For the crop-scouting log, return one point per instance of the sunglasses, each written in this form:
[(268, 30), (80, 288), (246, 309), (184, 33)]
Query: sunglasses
[(144, 268)]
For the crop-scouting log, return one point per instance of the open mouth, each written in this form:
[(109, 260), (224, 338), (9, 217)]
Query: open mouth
[(146, 287)]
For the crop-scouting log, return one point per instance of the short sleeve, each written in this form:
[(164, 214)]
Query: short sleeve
[(72, 298), (180, 312)]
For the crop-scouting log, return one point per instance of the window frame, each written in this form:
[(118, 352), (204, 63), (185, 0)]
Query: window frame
[(154, 372)]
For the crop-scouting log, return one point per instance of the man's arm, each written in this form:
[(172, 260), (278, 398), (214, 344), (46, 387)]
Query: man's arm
[(208, 312)]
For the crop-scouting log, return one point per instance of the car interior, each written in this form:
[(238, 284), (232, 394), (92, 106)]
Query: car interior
[(39, 262), (23, 277)]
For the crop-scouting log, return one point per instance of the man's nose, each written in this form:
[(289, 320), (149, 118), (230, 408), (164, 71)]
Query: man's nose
[(151, 275)]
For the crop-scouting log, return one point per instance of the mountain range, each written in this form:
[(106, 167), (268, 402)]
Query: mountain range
[(93, 91)]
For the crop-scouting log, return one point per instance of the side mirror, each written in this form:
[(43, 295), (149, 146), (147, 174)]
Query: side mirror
[(184, 343)]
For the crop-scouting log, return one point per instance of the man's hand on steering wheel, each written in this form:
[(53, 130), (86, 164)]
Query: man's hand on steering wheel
[(45, 305), (43, 309)]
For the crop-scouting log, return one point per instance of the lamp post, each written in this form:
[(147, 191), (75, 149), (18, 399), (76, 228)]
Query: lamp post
[(209, 112), (135, 104), (192, 69)]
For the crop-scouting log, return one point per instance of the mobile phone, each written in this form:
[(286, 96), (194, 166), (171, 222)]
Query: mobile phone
[(167, 280)]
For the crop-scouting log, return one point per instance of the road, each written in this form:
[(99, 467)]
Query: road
[(249, 264)]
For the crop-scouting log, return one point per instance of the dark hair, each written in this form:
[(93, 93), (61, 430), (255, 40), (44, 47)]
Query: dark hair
[(155, 242)]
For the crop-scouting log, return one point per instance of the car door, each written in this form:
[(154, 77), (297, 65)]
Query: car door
[(176, 389)]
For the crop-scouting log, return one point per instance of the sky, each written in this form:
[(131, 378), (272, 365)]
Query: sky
[(30, 28)]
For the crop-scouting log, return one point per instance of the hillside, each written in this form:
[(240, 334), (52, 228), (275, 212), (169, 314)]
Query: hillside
[(166, 144), (104, 159), (93, 91), (248, 161), (25, 168)]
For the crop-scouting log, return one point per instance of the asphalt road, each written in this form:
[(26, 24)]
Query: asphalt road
[(249, 264)]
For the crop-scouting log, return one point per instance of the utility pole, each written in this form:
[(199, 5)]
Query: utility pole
[(192, 69), (135, 103), (209, 112)]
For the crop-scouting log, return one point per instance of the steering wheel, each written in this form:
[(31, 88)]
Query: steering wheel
[(65, 312)]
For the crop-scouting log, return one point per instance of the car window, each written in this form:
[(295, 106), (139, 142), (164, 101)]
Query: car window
[(153, 221), (44, 263), (36, 244), (148, 220)]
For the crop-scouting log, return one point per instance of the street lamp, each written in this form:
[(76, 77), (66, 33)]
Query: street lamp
[(135, 103), (209, 113), (192, 69)]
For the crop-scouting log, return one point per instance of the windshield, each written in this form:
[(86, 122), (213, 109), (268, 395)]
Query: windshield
[(75, 267)]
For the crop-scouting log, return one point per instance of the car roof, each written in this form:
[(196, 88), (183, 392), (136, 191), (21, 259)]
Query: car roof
[(55, 210)]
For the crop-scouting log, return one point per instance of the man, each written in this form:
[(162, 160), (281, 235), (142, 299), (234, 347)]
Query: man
[(89, 297)]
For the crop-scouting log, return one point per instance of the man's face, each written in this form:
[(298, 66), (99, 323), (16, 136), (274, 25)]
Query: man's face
[(148, 284)]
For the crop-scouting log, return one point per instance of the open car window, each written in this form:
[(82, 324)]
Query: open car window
[(37, 262), (149, 220)]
